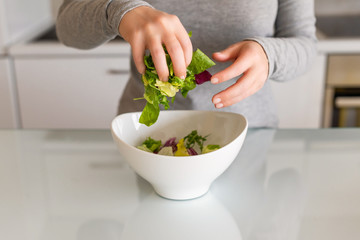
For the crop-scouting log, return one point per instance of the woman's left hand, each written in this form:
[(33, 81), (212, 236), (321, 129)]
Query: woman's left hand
[(250, 64)]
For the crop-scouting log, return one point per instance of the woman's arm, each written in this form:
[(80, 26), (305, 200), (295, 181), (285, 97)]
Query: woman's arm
[(281, 57), (292, 49), (87, 24)]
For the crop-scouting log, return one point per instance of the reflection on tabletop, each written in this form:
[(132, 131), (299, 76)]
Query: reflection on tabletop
[(267, 203), (284, 184), (201, 218)]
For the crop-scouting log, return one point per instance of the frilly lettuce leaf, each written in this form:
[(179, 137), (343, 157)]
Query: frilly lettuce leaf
[(166, 88), (157, 92)]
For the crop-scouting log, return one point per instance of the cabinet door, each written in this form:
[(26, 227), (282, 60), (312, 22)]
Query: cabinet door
[(300, 101), (7, 96), (70, 92)]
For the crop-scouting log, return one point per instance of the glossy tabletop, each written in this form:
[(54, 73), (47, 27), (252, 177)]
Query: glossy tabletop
[(284, 184)]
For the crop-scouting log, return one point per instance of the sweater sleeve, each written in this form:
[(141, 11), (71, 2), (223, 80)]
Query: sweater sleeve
[(86, 24), (292, 49)]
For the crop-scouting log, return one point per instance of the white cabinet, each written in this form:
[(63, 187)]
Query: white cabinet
[(7, 96), (70, 91), (300, 101), (60, 87)]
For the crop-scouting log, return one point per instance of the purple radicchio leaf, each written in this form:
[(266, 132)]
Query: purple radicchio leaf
[(171, 142), (192, 151), (200, 78)]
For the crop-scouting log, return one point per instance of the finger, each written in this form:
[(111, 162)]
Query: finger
[(244, 87), (138, 51), (159, 59), (227, 54), (239, 66), (185, 42), (177, 56)]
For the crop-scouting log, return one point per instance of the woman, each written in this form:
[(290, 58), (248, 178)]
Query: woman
[(251, 41)]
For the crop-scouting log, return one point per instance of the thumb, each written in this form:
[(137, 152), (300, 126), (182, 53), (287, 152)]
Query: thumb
[(227, 54)]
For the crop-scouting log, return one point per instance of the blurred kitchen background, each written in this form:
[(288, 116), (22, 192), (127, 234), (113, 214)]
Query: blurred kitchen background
[(44, 84)]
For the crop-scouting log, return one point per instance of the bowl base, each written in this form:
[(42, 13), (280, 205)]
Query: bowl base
[(184, 194)]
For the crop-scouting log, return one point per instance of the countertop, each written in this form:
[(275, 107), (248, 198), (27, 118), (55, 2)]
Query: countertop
[(338, 45), (284, 184), (48, 44), (116, 47)]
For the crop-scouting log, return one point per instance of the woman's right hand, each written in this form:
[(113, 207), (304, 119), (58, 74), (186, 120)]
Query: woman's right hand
[(148, 28)]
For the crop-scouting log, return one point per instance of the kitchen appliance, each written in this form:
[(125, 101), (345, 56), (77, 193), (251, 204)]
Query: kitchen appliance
[(342, 95)]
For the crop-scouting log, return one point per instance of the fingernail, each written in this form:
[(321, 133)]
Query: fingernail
[(214, 80), (182, 77), (142, 71), (216, 100), (219, 105)]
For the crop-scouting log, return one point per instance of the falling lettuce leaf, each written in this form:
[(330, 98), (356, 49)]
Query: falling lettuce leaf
[(149, 114)]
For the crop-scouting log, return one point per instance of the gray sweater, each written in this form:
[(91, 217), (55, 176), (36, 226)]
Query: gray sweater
[(284, 28)]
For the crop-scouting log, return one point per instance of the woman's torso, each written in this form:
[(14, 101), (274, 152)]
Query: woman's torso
[(215, 25)]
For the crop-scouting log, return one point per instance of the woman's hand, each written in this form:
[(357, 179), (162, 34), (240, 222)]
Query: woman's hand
[(147, 28), (249, 61)]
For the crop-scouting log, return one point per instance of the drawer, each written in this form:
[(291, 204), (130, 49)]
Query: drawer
[(78, 92), (344, 71)]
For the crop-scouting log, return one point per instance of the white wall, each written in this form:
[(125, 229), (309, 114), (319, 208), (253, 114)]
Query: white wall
[(22, 20)]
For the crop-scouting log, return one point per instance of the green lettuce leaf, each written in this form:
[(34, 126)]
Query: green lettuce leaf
[(200, 62), (210, 148), (149, 114), (194, 138), (189, 84), (156, 93), (152, 145)]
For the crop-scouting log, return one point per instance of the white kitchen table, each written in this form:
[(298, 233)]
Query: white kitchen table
[(284, 184)]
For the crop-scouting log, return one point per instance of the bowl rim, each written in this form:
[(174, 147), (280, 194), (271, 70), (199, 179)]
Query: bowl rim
[(244, 131)]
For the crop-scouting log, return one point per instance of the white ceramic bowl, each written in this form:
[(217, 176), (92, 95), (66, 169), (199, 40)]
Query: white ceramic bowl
[(180, 177)]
